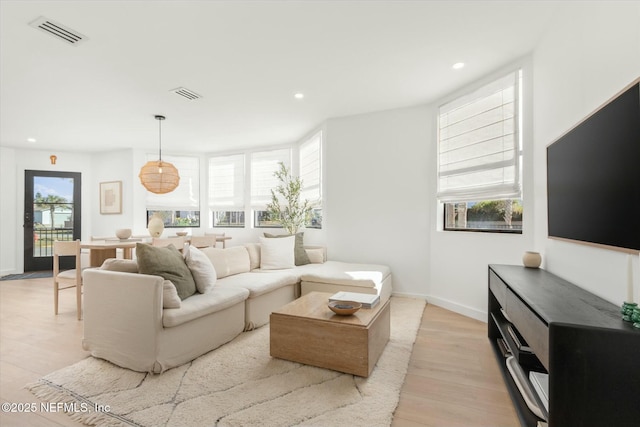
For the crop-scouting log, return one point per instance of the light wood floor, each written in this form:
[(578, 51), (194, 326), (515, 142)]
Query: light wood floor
[(453, 378)]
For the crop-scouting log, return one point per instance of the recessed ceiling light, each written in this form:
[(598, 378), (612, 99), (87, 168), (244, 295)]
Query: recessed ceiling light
[(458, 65), (298, 95), (31, 140)]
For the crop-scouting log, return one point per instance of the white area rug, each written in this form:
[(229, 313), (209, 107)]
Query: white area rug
[(239, 384)]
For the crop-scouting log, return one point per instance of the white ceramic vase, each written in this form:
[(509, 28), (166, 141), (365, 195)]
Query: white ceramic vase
[(156, 226), (532, 259)]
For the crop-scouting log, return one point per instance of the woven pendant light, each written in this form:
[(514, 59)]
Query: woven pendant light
[(157, 176)]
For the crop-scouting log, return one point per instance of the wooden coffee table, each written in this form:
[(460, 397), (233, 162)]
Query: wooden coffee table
[(306, 331)]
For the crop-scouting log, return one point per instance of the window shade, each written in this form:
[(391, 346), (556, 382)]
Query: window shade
[(263, 165), (226, 183), (186, 197), (311, 168), (478, 144)]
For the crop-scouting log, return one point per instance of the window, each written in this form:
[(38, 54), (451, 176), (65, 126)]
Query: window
[(263, 166), (489, 215), (479, 158), (181, 207), (226, 190), (310, 155)]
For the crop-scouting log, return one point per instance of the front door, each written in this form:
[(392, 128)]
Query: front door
[(51, 212)]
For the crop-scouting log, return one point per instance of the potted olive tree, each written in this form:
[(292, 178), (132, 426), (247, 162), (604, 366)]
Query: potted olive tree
[(286, 206)]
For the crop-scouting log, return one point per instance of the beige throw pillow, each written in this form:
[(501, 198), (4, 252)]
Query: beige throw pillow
[(170, 298), (316, 255), (254, 254), (122, 265)]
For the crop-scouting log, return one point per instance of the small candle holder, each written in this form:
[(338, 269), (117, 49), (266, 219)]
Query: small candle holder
[(627, 310), (635, 317)]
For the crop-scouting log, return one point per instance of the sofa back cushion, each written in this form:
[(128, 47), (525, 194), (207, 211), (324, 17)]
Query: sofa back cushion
[(228, 261), (169, 263)]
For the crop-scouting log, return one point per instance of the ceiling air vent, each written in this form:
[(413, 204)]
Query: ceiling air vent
[(58, 31), (186, 93)]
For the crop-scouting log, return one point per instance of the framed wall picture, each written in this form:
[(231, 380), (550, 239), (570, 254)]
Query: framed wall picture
[(111, 197)]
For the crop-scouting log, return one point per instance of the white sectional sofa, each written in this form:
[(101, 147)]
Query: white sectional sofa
[(125, 321)]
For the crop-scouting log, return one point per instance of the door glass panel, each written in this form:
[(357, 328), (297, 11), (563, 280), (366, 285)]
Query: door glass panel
[(52, 213)]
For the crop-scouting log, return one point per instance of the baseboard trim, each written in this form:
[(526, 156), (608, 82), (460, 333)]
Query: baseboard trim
[(449, 305)]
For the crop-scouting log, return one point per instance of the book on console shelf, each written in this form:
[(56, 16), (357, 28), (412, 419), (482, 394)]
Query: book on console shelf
[(540, 383), (518, 340), (504, 348), (367, 300)]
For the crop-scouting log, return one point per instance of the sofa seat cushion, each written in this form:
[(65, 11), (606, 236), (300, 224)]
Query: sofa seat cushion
[(343, 273), (259, 282), (198, 305)]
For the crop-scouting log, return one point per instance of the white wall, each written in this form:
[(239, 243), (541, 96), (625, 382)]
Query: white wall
[(459, 260), (377, 208), (586, 57), (14, 163), (113, 166), (10, 226)]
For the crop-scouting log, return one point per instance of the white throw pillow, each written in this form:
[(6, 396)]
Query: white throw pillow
[(202, 270), (170, 298), (277, 254)]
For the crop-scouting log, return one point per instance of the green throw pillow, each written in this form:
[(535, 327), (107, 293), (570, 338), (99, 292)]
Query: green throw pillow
[(301, 257), (166, 262)]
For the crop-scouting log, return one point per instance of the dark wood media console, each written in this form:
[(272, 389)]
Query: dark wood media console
[(591, 355)]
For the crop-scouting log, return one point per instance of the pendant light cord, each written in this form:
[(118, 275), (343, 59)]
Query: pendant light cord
[(160, 139), (160, 119)]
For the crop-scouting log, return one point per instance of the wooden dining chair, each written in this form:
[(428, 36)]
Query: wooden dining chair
[(216, 236), (203, 241), (67, 278), (178, 242)]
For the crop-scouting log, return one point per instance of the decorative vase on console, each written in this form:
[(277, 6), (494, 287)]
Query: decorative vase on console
[(155, 226), (531, 259)]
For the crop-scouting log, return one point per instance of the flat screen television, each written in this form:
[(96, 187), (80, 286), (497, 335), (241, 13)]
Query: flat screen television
[(593, 177)]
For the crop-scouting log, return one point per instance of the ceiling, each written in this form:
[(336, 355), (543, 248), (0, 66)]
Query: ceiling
[(246, 59)]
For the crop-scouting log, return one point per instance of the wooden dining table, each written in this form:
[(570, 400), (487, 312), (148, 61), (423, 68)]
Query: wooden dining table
[(100, 250)]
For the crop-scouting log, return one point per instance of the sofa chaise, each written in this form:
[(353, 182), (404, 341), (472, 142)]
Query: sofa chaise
[(130, 321)]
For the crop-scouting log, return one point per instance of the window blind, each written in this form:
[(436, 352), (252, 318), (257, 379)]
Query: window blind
[(186, 197), (478, 144), (263, 165), (311, 168), (226, 183)]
